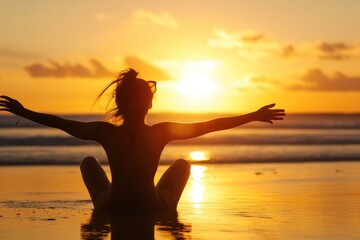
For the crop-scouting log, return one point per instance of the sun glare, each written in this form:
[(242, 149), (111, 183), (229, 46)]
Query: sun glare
[(197, 80), (199, 156)]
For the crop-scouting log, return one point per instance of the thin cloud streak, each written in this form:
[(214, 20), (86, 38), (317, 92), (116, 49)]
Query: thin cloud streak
[(58, 70), (248, 44), (15, 54), (162, 19), (317, 80)]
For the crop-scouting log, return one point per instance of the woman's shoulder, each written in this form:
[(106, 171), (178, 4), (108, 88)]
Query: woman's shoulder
[(103, 127)]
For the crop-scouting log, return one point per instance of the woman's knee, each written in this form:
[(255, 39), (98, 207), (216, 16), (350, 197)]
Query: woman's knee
[(87, 162), (183, 165)]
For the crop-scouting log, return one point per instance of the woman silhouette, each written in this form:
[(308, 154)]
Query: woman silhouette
[(133, 148)]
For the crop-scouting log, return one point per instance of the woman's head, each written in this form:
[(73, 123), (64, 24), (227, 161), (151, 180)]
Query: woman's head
[(133, 96)]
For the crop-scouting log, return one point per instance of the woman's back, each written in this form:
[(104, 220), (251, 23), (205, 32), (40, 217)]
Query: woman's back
[(133, 155)]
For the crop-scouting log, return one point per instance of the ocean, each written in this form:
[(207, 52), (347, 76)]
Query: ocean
[(276, 196), (299, 138)]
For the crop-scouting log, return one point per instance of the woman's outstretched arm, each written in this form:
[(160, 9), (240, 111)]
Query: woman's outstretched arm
[(179, 131), (86, 131)]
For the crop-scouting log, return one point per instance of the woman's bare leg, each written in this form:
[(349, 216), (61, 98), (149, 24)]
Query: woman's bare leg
[(94, 177), (175, 178)]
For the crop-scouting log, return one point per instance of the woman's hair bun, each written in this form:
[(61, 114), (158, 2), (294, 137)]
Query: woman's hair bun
[(130, 74)]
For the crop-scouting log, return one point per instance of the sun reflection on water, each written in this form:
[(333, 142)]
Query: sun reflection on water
[(197, 187)]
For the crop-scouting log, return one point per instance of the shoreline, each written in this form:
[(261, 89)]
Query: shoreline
[(205, 162), (220, 201)]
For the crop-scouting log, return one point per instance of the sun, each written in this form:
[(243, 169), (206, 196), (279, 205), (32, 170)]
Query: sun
[(199, 156), (197, 80)]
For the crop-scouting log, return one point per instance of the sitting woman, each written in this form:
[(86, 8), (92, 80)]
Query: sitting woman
[(133, 148)]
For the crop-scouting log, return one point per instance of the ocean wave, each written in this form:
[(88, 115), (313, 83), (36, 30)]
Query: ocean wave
[(213, 154), (245, 139)]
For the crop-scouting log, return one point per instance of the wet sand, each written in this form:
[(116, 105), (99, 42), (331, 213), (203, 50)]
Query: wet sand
[(229, 201)]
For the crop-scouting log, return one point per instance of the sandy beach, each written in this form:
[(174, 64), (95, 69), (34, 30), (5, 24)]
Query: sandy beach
[(228, 201)]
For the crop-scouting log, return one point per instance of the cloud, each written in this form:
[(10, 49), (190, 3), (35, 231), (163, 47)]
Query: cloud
[(146, 69), (95, 69), (254, 83), (254, 45), (58, 70), (316, 80), (252, 37), (162, 19), (288, 51), (335, 51), (248, 44), (333, 47)]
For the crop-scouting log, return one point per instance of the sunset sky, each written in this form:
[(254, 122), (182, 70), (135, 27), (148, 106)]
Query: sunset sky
[(208, 56)]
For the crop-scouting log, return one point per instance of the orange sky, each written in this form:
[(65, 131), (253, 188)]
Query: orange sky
[(217, 56)]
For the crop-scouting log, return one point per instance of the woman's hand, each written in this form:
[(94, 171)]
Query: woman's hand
[(265, 114), (11, 105)]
